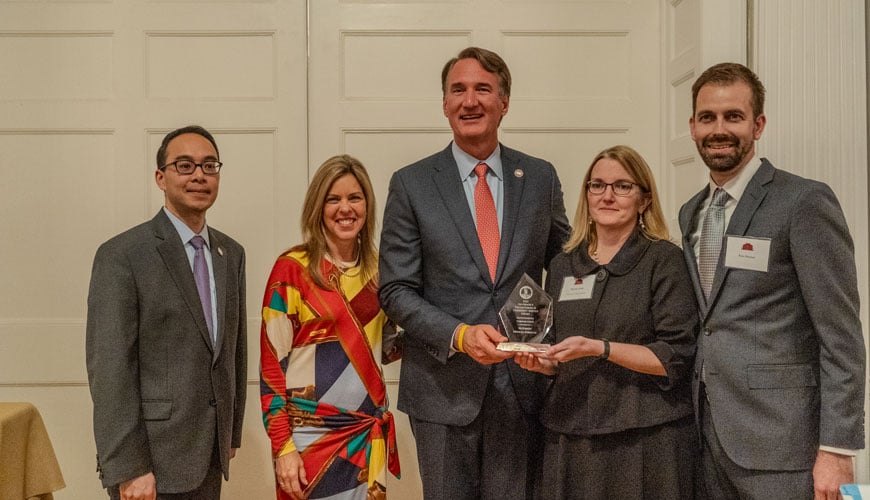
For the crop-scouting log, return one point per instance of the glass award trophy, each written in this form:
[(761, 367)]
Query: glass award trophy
[(526, 317)]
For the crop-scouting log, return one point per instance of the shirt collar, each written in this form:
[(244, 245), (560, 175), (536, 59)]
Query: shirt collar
[(624, 261), (184, 231), (737, 184), (466, 162)]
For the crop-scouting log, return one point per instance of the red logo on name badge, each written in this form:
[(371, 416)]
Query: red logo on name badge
[(578, 281), (747, 246)]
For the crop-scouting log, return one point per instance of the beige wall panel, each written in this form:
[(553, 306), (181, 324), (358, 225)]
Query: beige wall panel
[(558, 2), (688, 48), (385, 151), (44, 350), (60, 2), (403, 2), (570, 151), (687, 180), (395, 65), (594, 65), (228, 65), (52, 187), (681, 111), (89, 89), (409, 486), (683, 17), (213, 2), (56, 65), (251, 472)]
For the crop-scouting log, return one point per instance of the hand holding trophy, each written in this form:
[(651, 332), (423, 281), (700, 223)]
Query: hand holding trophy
[(526, 317)]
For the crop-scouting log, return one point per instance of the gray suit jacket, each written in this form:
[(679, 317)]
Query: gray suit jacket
[(161, 392), (782, 350), (433, 276)]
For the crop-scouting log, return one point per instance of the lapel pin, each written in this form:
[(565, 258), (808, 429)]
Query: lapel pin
[(518, 173), (220, 251)]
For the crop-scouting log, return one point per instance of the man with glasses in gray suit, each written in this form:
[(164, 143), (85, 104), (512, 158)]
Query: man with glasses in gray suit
[(166, 348)]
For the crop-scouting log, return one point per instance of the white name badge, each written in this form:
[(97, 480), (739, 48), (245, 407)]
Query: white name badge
[(747, 253), (577, 288)]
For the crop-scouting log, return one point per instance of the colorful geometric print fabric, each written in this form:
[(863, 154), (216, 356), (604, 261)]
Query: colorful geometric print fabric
[(321, 386)]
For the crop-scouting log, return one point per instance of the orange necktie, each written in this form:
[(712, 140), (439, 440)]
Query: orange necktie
[(487, 219)]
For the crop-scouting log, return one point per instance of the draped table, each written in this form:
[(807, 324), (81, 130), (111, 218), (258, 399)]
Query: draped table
[(28, 466)]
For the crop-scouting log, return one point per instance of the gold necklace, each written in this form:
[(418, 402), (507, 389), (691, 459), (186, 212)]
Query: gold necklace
[(344, 267)]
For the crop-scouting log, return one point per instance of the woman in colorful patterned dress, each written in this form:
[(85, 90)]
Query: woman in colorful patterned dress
[(322, 390)]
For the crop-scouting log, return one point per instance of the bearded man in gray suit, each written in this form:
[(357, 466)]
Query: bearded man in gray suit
[(166, 345), (473, 410), (779, 373)]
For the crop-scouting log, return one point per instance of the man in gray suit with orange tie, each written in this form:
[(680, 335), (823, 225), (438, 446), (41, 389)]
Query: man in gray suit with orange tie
[(166, 348), (460, 229), (779, 373)]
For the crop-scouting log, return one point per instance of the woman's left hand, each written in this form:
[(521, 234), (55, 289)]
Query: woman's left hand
[(535, 362), (575, 347), (290, 473)]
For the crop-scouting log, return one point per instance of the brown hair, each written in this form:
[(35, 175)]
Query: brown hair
[(489, 60), (727, 74)]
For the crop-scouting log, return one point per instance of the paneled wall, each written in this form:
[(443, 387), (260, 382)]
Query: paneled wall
[(89, 87), (585, 76)]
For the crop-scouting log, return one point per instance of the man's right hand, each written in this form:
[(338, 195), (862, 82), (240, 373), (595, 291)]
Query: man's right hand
[(480, 341), (140, 488)]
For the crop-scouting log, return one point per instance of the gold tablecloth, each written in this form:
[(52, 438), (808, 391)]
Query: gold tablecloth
[(28, 466)]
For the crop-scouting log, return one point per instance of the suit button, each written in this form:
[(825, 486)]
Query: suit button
[(707, 332), (601, 276), (212, 403)]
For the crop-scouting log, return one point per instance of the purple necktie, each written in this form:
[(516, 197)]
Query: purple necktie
[(200, 273)]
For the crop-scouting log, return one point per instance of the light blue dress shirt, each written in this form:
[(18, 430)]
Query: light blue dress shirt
[(186, 235), (494, 177)]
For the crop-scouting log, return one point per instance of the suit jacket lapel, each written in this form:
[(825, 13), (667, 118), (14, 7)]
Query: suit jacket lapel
[(446, 178), (174, 257), (219, 265), (688, 216), (514, 185), (749, 202)]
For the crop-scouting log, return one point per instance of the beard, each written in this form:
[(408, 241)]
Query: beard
[(723, 162)]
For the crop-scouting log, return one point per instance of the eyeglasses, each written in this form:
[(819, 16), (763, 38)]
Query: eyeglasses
[(187, 167), (620, 188)]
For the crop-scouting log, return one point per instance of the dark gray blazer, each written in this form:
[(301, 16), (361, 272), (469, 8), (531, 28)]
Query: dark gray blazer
[(783, 350), (433, 276), (161, 392)]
